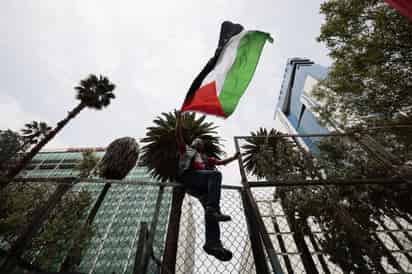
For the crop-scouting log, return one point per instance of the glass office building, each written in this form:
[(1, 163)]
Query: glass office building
[(296, 112), (295, 107), (117, 223)]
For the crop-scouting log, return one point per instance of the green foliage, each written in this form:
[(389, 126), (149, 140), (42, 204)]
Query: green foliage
[(95, 92), (255, 146), (11, 143), (87, 164), (370, 44), (48, 247), (18, 202), (120, 157), (265, 157), (159, 154), (345, 214), (34, 131)]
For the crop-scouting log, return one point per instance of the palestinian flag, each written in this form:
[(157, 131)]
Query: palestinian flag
[(220, 85), (404, 7)]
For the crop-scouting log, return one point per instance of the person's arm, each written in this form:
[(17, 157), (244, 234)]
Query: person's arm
[(178, 131), (226, 161)]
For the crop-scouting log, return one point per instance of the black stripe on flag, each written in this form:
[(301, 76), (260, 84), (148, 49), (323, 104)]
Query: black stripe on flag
[(227, 31)]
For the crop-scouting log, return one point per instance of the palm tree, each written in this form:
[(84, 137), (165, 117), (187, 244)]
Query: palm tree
[(10, 144), (271, 156), (93, 92), (120, 157), (346, 227), (13, 145), (33, 132), (260, 142), (159, 154)]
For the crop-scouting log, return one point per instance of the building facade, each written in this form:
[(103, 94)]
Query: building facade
[(295, 107), (296, 112), (117, 222)]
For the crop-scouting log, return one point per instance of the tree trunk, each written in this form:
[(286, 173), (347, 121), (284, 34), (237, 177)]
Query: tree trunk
[(73, 257), (29, 156)]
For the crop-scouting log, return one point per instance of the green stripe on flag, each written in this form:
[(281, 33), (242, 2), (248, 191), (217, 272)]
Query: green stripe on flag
[(241, 72)]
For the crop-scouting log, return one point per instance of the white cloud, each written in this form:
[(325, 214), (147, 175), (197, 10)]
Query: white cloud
[(152, 50), (14, 117)]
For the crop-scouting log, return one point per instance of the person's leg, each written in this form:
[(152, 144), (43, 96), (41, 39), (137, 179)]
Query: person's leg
[(210, 182), (212, 229), (205, 181), (213, 245), (197, 185), (214, 189)]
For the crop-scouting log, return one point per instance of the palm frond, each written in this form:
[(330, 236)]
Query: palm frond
[(159, 154), (255, 146), (95, 92)]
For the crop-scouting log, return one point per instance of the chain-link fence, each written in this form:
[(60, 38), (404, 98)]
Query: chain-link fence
[(105, 234), (191, 258), (333, 203), (324, 203), (305, 250)]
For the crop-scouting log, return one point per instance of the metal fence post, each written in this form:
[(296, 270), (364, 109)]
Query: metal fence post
[(142, 251), (255, 214), (169, 255), (146, 237), (259, 256)]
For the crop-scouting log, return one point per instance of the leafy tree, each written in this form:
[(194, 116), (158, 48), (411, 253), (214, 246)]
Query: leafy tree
[(265, 150), (20, 201), (345, 214), (159, 154), (371, 75), (46, 249), (93, 92), (10, 145), (87, 164), (119, 159), (33, 132)]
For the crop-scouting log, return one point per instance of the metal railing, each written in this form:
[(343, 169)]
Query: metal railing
[(303, 243), (264, 236)]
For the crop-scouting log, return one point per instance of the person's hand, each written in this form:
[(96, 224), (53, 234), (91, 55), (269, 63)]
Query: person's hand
[(237, 155), (178, 115)]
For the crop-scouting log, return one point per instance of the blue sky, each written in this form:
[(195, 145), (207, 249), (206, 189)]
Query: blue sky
[(152, 50)]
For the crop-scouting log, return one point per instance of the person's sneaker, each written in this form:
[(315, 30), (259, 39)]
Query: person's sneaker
[(218, 251), (216, 215)]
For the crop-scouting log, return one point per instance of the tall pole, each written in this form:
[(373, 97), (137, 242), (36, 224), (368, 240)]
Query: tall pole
[(169, 255), (260, 225)]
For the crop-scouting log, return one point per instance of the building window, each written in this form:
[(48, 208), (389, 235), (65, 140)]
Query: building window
[(307, 97), (302, 111)]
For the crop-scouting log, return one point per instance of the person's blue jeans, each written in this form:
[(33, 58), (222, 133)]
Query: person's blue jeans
[(206, 186)]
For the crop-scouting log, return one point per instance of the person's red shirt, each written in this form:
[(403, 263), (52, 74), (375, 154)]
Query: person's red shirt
[(198, 163)]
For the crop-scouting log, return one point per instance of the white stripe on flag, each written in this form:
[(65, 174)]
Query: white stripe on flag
[(225, 62)]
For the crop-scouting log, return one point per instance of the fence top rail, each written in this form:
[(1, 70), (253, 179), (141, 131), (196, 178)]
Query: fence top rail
[(70, 180), (336, 182), (294, 135), (348, 132)]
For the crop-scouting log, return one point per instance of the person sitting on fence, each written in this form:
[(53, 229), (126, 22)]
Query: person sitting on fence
[(197, 172)]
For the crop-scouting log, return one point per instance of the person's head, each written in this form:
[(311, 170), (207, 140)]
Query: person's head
[(198, 144)]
